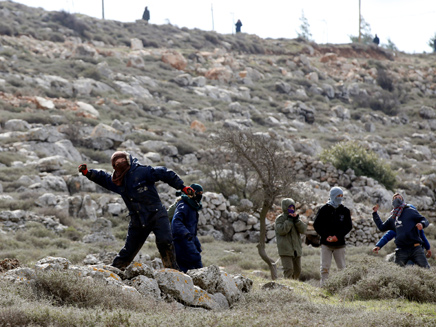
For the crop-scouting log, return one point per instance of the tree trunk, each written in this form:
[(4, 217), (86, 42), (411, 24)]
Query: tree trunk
[(261, 245)]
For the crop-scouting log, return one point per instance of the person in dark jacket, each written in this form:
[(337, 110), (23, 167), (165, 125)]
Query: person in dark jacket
[(238, 26), (406, 222), (332, 222), (184, 227), (146, 14), (390, 234), (376, 40), (288, 228), (136, 185)]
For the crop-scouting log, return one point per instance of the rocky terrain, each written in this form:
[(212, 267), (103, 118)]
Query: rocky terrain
[(74, 89), (207, 288)]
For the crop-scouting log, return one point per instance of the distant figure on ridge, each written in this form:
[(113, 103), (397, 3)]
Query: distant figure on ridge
[(146, 15), (376, 40), (238, 26)]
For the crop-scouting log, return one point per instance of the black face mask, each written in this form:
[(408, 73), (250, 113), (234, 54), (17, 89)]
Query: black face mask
[(198, 197)]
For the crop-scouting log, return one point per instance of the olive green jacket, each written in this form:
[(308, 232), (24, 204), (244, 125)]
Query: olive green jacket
[(172, 209), (288, 232)]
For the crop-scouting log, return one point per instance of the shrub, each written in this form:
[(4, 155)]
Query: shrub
[(95, 155), (93, 73), (13, 316), (70, 21), (212, 38), (68, 288), (38, 118), (364, 162), (38, 230), (384, 102), (21, 204), (6, 30), (150, 44), (372, 279), (384, 80)]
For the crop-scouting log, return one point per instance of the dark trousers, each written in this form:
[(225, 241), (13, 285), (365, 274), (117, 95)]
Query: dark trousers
[(415, 254), (187, 254), (137, 235), (291, 266)]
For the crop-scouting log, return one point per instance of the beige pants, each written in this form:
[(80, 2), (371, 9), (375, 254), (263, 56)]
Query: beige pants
[(291, 266), (327, 252)]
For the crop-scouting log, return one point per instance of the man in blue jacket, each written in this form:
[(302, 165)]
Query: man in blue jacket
[(136, 185), (406, 222), (390, 234), (184, 228)]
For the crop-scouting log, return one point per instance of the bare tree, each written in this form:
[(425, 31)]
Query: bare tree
[(266, 165), (365, 36)]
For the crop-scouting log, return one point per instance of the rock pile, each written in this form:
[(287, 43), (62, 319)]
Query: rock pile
[(208, 288)]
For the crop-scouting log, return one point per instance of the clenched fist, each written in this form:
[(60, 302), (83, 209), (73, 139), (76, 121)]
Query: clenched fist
[(83, 169)]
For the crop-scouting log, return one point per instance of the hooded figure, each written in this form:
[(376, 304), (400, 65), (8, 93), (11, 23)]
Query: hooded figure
[(288, 228), (184, 228), (146, 14), (238, 26), (121, 165), (136, 185), (332, 222)]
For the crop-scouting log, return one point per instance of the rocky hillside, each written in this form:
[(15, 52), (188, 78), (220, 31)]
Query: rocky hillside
[(74, 89)]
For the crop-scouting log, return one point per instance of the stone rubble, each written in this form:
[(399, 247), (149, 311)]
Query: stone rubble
[(208, 288)]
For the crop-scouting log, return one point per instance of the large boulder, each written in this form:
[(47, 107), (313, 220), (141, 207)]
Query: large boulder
[(50, 164), (17, 125), (87, 110), (161, 147), (212, 280), (222, 74), (176, 284), (134, 89), (175, 59), (146, 286)]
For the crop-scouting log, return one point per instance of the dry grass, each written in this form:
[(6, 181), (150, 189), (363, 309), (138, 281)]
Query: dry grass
[(64, 301)]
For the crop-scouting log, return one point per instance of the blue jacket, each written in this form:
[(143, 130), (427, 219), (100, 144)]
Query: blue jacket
[(389, 235), (405, 227), (138, 189), (186, 243)]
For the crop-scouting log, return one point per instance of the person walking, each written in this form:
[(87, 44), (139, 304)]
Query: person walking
[(136, 185), (288, 228), (184, 226), (332, 222), (406, 222)]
